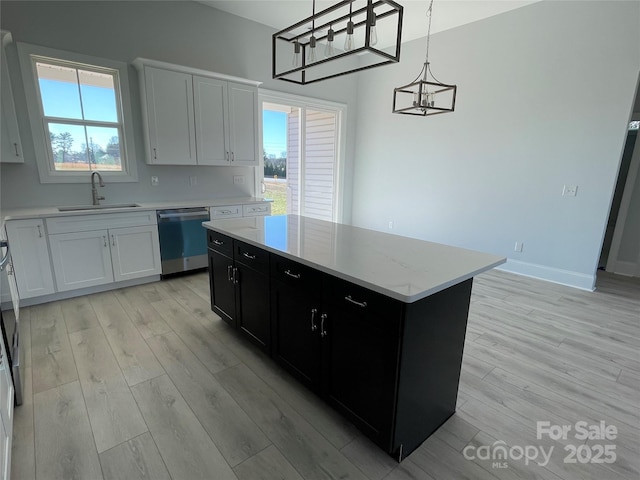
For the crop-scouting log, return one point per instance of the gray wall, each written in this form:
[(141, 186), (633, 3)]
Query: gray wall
[(184, 33), (544, 96)]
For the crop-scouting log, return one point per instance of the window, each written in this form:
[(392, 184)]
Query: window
[(79, 117), (302, 143)]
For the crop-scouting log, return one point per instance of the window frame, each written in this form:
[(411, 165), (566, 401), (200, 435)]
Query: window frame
[(310, 103), (28, 56)]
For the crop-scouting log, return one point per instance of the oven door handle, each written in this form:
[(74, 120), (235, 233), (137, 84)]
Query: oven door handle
[(5, 259)]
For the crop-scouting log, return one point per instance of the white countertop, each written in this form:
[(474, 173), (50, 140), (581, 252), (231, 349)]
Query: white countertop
[(403, 268), (44, 212)]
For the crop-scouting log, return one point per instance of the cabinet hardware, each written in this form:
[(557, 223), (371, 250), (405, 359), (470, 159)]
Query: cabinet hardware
[(113, 240), (323, 332), (314, 327), (229, 271), (10, 269), (15, 145), (39, 232), (218, 242), (104, 239), (227, 156), (293, 275), (225, 212), (351, 300), (236, 276), (155, 154), (249, 256), (233, 157)]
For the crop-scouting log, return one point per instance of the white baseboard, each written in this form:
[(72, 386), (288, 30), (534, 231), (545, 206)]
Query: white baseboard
[(623, 268), (28, 302), (550, 274)]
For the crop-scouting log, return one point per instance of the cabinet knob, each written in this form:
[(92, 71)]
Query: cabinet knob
[(314, 327), (323, 332)]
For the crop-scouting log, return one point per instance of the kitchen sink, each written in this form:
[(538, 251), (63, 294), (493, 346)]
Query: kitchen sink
[(96, 207)]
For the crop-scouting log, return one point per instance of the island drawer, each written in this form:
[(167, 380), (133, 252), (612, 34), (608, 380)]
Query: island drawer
[(220, 243), (359, 300), (295, 274), (251, 256)]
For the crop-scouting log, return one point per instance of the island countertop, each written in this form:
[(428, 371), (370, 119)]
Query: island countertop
[(403, 268)]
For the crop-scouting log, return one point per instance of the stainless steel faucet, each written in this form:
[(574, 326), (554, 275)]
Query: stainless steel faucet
[(94, 190)]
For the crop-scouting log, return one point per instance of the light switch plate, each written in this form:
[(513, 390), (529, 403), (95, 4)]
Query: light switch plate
[(154, 181)]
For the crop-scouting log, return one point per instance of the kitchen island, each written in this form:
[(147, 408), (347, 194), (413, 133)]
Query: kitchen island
[(372, 322)]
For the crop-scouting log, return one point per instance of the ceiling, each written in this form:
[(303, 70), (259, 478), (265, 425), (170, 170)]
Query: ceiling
[(446, 13)]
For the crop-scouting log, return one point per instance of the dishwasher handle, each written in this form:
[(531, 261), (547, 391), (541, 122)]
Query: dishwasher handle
[(201, 213)]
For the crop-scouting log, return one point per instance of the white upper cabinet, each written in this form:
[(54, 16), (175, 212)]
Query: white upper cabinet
[(195, 117), (11, 144), (211, 107), (243, 124), (170, 121)]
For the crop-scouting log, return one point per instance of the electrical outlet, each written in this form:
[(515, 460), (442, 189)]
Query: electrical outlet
[(518, 247), (154, 181), (390, 224), (193, 180), (570, 191), (238, 179)]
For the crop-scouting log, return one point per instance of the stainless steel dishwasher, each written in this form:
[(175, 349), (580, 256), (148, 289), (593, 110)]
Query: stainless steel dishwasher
[(183, 240)]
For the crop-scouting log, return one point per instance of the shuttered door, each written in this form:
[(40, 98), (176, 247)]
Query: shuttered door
[(319, 166)]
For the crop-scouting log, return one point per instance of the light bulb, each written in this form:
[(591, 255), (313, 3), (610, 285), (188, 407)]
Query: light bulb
[(348, 43), (295, 61), (328, 48), (373, 34), (312, 50)]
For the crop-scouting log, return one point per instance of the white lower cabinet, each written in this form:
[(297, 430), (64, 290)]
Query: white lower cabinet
[(81, 259), (135, 252), (30, 254), (87, 259), (91, 250)]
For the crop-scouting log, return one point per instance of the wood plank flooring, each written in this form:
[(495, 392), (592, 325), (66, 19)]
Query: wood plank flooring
[(148, 383)]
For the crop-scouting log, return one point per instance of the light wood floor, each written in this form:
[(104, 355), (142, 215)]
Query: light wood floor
[(146, 382)]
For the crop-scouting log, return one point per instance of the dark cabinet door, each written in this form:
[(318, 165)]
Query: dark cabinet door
[(253, 316), (223, 295), (296, 333), (360, 348)]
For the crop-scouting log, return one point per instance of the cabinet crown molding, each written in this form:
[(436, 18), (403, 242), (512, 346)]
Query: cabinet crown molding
[(139, 63)]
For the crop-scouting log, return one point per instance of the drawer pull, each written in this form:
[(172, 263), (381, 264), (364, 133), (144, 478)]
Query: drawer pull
[(249, 256), (351, 300), (218, 242), (225, 212), (314, 327), (323, 332), (236, 276), (291, 274), (229, 272), (39, 232), (104, 239)]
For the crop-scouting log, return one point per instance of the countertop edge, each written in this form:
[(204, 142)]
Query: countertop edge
[(27, 213), (358, 281)]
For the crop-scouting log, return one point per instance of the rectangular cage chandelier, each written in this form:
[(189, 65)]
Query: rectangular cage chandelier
[(348, 37)]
